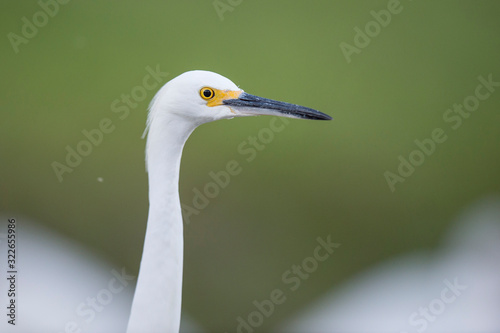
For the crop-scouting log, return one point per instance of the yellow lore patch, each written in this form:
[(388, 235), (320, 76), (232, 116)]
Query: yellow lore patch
[(215, 97)]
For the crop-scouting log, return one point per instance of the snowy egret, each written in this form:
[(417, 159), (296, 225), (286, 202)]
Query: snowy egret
[(189, 100)]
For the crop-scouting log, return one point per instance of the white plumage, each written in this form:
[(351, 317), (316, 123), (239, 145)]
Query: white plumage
[(185, 102)]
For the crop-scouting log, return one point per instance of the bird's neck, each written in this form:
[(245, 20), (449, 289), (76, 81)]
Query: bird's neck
[(157, 301)]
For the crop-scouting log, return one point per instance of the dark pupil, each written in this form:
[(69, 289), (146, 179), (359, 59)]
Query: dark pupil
[(207, 93)]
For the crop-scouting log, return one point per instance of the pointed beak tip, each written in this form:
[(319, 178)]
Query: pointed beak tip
[(255, 105)]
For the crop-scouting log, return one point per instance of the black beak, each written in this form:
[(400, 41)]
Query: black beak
[(249, 105)]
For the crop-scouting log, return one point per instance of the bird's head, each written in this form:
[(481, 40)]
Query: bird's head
[(202, 96)]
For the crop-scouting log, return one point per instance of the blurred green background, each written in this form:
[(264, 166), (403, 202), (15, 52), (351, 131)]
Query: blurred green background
[(312, 180)]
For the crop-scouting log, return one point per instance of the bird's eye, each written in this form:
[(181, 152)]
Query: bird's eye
[(207, 93)]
